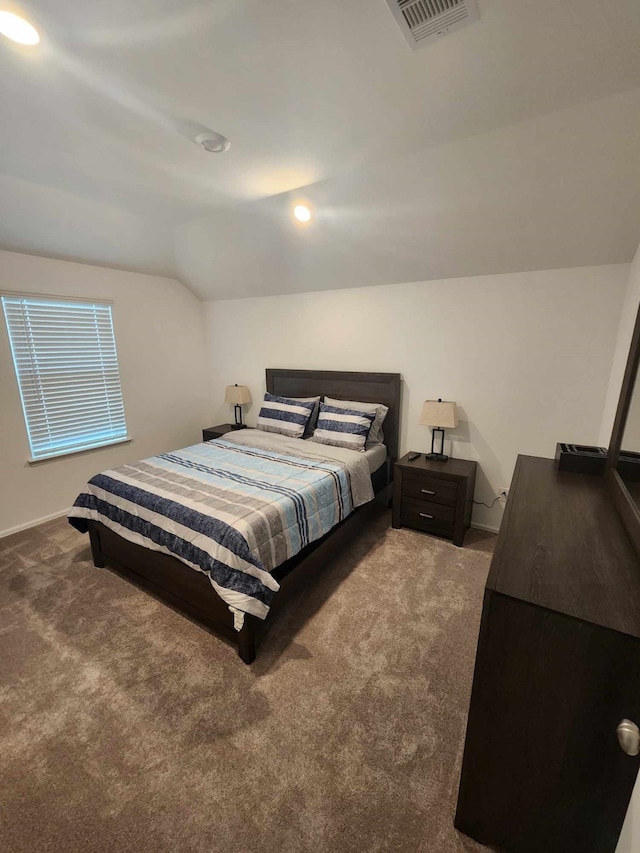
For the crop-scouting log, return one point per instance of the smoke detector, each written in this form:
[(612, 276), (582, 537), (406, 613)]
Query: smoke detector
[(214, 143), (424, 21)]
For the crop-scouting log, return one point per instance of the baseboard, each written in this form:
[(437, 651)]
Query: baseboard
[(34, 523), (486, 527)]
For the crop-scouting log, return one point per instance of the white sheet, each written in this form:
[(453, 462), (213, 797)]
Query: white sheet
[(376, 456)]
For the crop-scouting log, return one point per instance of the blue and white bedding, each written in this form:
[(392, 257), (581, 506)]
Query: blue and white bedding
[(232, 509), (285, 415), (343, 427)]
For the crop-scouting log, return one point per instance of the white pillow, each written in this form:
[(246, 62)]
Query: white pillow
[(376, 436)]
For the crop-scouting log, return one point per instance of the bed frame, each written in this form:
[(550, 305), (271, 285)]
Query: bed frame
[(190, 592)]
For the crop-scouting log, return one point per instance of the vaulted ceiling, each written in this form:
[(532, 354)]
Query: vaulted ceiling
[(508, 145)]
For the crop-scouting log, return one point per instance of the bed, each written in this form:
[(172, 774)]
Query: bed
[(233, 610)]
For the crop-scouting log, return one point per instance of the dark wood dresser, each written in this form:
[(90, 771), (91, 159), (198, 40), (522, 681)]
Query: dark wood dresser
[(557, 670)]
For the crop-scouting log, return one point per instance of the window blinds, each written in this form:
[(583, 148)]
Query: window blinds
[(65, 358)]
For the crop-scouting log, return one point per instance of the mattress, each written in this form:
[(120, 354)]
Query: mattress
[(376, 456)]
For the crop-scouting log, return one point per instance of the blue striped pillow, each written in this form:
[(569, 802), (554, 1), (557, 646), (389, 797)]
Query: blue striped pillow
[(343, 427), (281, 414)]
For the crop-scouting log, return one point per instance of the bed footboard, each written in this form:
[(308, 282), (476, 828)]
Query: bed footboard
[(169, 580), (190, 592), (96, 550), (247, 640)]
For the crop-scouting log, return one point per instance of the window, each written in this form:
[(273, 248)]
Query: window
[(64, 353)]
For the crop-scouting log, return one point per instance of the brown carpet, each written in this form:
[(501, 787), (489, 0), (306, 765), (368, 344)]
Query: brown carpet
[(126, 727)]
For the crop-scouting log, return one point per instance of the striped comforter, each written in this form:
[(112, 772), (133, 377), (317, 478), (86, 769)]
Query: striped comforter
[(233, 511)]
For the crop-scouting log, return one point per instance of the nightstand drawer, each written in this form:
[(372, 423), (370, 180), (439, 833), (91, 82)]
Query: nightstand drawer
[(425, 488), (427, 516)]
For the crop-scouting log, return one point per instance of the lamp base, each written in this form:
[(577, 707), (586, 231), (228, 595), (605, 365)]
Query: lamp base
[(437, 457)]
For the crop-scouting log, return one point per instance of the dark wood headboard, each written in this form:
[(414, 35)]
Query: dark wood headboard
[(344, 385)]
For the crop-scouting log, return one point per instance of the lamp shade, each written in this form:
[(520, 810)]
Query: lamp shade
[(237, 395), (439, 413)]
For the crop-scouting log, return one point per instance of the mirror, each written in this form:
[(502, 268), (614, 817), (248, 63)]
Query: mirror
[(628, 463), (622, 468)]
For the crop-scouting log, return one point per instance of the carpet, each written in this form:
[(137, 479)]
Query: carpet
[(126, 727)]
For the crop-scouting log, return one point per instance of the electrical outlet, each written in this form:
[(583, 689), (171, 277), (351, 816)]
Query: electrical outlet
[(503, 494)]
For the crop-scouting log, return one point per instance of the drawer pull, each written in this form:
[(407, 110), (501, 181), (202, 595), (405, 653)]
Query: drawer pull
[(425, 515), (427, 491), (628, 737)]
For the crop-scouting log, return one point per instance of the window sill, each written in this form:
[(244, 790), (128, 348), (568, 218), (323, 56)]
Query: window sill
[(58, 454)]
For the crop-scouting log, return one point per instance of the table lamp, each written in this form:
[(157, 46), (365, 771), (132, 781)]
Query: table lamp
[(238, 396), (440, 415)]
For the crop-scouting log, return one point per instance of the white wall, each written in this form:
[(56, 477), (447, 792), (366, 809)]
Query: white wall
[(160, 340), (527, 356)]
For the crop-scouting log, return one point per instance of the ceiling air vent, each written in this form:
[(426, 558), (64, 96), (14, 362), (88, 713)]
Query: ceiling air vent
[(422, 21)]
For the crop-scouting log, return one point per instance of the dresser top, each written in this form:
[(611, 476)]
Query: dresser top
[(562, 546)]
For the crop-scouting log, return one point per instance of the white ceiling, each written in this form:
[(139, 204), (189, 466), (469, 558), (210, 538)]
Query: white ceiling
[(509, 145)]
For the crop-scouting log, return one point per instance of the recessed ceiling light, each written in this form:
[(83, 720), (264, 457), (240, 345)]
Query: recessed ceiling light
[(302, 212), (17, 29), (214, 143)]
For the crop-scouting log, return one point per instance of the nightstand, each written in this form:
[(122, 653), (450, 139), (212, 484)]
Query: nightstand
[(436, 497), (218, 431)]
